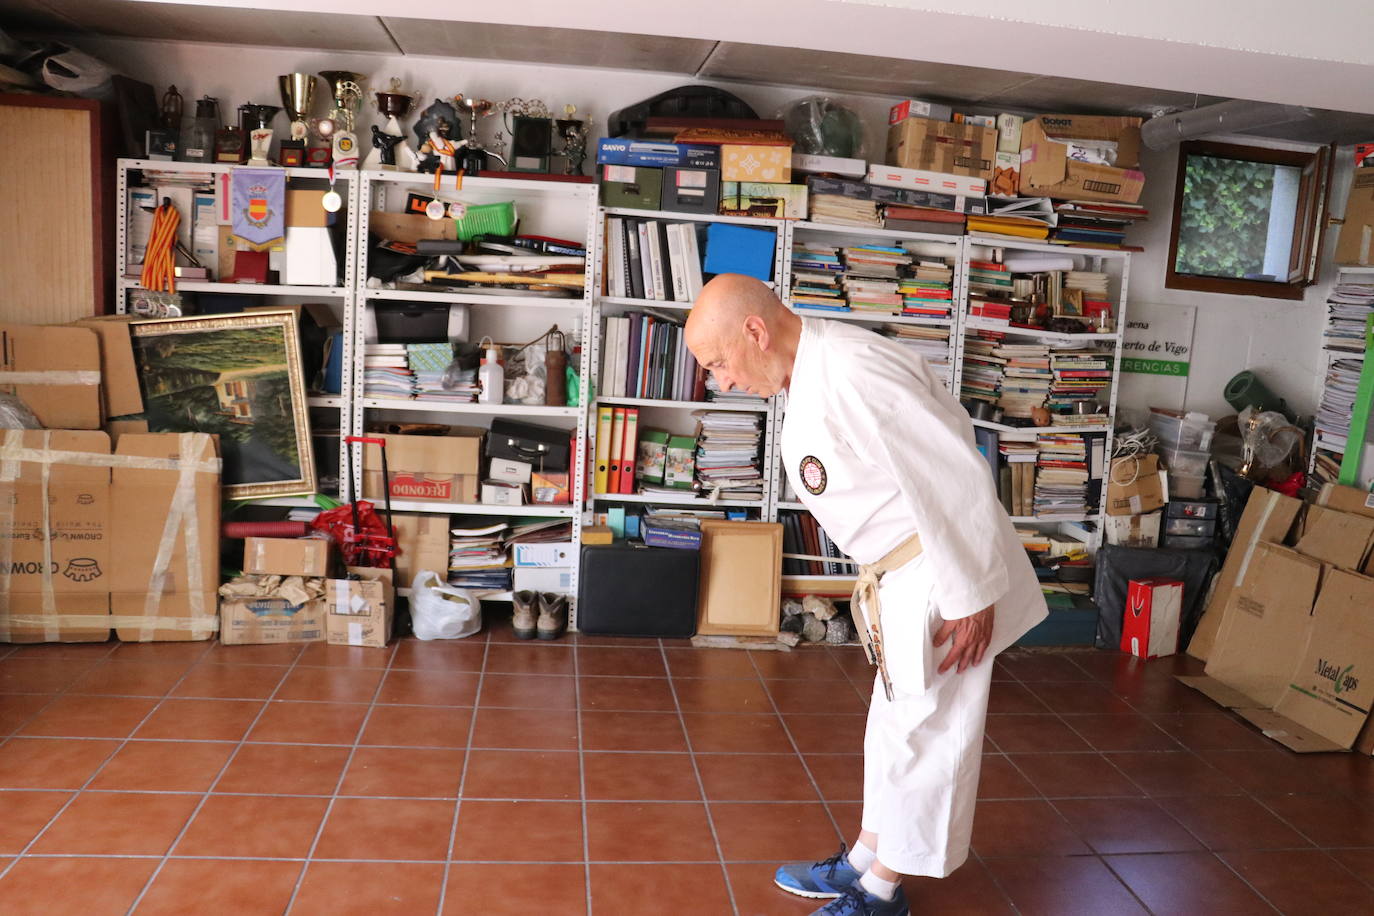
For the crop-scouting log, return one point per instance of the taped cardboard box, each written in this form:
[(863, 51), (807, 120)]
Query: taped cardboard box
[(1268, 517), (1263, 632), (269, 621), (359, 611), (1347, 499), (940, 146), (1049, 169), (1134, 486), (439, 469), (309, 557), (54, 370), (1336, 538), (424, 544), (1355, 241)]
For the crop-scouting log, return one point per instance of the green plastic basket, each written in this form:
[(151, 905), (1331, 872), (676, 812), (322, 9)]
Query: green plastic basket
[(486, 219)]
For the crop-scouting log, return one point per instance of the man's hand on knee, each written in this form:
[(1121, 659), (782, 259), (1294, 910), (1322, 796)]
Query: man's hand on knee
[(971, 637)]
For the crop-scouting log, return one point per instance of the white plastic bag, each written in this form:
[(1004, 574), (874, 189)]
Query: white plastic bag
[(440, 611)]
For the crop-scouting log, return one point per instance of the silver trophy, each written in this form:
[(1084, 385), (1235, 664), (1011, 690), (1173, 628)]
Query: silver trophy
[(347, 90)]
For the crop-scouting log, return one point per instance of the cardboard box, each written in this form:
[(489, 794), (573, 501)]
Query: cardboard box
[(596, 534), (119, 387), (829, 165), (552, 488), (763, 199), (510, 471), (306, 209), (552, 554), (54, 370), (921, 180), (1336, 538), (358, 612), (918, 108), (1134, 530), (437, 469), (308, 557), (1264, 629), (424, 544), (634, 187), (1134, 486), (1268, 517), (500, 493), (1009, 134), (1048, 171), (542, 579), (755, 162), (1328, 697), (1149, 628), (938, 146), (1355, 241), (1347, 499), (267, 621)]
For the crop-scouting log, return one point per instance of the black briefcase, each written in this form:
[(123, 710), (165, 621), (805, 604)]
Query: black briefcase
[(544, 447), (627, 589)]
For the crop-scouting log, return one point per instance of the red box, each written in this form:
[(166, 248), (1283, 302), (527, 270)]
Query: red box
[(1149, 628)]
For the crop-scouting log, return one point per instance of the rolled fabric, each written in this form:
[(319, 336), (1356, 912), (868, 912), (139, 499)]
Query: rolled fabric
[(1033, 263)]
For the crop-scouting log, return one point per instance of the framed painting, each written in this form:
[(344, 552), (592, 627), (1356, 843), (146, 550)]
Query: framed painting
[(238, 376)]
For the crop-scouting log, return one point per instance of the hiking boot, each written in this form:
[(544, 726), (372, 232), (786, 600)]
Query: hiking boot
[(553, 615), (524, 620), (826, 878), (858, 902)]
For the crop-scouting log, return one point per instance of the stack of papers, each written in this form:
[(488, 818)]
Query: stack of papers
[(1338, 404), (478, 558), (1026, 378), (733, 396), (847, 211), (728, 453), (1061, 478), (931, 344), (1348, 307), (428, 362), (386, 372), (982, 376)]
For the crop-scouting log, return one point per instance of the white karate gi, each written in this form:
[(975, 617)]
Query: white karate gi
[(877, 450)]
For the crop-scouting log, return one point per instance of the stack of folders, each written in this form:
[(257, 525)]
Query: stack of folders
[(386, 372), (617, 449), (1348, 307), (644, 355), (728, 453), (1061, 480), (477, 557), (653, 259)]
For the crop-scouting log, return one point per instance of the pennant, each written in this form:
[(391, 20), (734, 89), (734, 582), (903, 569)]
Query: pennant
[(258, 206)]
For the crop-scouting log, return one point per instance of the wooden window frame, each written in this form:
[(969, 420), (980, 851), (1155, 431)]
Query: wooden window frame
[(1308, 224)]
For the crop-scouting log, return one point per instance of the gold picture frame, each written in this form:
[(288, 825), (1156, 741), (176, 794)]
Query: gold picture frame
[(238, 376)]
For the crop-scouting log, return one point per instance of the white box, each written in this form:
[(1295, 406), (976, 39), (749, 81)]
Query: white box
[(917, 108), (509, 471), (1009, 133), (500, 493), (309, 257), (921, 180), (558, 554), (542, 579), (834, 165)]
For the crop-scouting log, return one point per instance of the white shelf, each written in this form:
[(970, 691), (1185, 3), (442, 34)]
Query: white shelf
[(537, 511), (585, 189), (677, 500), (877, 233), (244, 289), (683, 405), (1042, 520), (518, 410), (644, 303), (480, 594), (219, 168), (285, 502), (995, 241), (1038, 430), (474, 298), (870, 316), (671, 216), (982, 324), (325, 400), (791, 504)]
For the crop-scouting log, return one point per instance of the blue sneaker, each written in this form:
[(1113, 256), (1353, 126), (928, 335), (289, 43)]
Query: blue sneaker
[(858, 902), (827, 878)]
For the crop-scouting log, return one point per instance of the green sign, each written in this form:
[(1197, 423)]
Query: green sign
[(1154, 366)]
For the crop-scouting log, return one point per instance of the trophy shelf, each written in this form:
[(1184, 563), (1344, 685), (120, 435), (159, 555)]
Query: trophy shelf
[(219, 168)]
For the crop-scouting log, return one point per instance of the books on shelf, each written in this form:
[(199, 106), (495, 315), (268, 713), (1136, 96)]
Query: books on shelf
[(478, 557), (802, 536), (929, 343), (727, 455), (653, 259), (617, 450), (644, 355), (1095, 224), (1338, 404), (415, 372), (873, 278)]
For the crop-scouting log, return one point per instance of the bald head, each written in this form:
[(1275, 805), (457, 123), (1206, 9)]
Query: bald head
[(739, 330)]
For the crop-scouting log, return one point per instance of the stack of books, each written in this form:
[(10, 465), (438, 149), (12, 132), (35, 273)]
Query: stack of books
[(427, 363), (1092, 293), (927, 289), (990, 311), (1061, 479), (982, 376), (989, 277), (1079, 375), (1348, 307), (1024, 218), (386, 372), (923, 219), (1026, 379), (931, 344), (478, 557), (733, 396), (1094, 224), (847, 211), (1016, 476), (1338, 404), (727, 455), (816, 273)]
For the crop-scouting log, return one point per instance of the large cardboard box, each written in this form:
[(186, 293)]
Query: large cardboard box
[(941, 146), (266, 621), (1048, 169), (1264, 630), (135, 531), (55, 371), (359, 611), (437, 469), (1134, 486), (1336, 538), (1268, 516), (1347, 499), (424, 544), (1328, 698), (308, 557), (749, 162), (1355, 241), (119, 386)]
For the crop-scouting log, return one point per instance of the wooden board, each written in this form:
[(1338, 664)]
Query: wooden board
[(739, 590)]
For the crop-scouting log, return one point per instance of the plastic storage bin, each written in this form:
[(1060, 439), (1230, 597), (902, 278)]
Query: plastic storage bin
[(1192, 527), (1184, 461), (1191, 431), (1184, 486)]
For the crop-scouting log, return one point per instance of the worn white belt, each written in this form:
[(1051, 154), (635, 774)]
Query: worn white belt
[(864, 604)]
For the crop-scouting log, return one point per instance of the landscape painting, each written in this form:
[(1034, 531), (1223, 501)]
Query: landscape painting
[(238, 376)]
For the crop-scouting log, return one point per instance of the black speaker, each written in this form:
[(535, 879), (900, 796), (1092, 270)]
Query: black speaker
[(531, 144), (627, 589)]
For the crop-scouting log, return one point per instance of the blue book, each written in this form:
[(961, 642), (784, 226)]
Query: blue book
[(735, 249)]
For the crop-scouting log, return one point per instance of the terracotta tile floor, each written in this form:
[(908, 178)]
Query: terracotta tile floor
[(492, 776)]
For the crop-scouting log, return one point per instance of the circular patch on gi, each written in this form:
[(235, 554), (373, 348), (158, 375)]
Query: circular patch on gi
[(812, 474)]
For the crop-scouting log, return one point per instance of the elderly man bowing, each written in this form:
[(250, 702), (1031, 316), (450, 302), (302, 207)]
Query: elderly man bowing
[(884, 458)]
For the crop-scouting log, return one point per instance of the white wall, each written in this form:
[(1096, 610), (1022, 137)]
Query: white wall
[(1279, 339)]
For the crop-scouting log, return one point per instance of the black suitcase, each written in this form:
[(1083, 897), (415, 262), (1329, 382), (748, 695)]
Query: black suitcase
[(544, 447), (627, 589)]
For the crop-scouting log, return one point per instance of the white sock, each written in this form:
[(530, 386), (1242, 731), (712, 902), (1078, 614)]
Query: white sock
[(877, 886), (862, 858)]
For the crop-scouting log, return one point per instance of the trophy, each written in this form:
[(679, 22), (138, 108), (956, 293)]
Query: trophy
[(346, 88), (389, 147), (297, 97), (435, 132), (255, 123), (531, 137), (574, 136), (474, 157)]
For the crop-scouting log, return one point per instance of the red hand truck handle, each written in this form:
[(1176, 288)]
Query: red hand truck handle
[(365, 440)]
